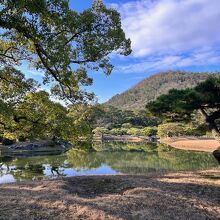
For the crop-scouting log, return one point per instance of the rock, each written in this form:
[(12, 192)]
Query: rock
[(216, 154), (24, 146)]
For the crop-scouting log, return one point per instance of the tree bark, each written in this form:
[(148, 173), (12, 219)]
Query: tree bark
[(216, 135), (212, 125)]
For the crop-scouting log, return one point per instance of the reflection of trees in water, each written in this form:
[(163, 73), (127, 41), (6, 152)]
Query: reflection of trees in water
[(121, 146), (152, 158), (187, 160), (120, 157), (82, 159), (5, 161), (55, 170), (32, 167), (169, 159)]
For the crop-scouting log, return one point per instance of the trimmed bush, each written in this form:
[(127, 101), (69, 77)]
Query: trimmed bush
[(51, 144), (6, 141)]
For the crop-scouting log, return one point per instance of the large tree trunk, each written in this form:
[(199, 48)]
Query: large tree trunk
[(216, 134), (212, 125), (210, 120)]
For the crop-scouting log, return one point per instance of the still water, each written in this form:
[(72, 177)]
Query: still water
[(109, 158)]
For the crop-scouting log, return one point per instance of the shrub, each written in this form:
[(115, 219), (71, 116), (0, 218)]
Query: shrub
[(148, 131), (119, 131), (51, 143), (22, 138), (134, 131), (126, 125), (179, 129), (171, 129), (100, 131), (6, 141)]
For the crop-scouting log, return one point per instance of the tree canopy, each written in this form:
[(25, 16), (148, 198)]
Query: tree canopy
[(180, 105), (28, 113), (64, 44), (61, 42)]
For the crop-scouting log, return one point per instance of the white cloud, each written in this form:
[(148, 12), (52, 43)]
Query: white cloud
[(169, 62), (170, 26)]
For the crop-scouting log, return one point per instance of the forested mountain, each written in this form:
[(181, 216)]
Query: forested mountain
[(150, 88)]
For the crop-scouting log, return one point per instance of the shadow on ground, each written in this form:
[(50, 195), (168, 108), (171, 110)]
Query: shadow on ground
[(166, 196)]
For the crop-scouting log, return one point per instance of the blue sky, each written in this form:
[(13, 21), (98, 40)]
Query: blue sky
[(165, 35)]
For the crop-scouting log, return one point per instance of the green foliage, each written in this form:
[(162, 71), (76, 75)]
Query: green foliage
[(119, 157), (150, 88), (149, 131), (84, 117), (22, 138), (180, 129), (111, 117), (133, 131), (118, 131), (126, 125), (8, 141), (13, 85), (27, 114), (182, 105), (110, 120), (51, 143), (171, 129), (100, 131), (61, 42), (145, 131)]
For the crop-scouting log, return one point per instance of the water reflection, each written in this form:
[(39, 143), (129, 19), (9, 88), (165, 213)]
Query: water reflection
[(109, 158)]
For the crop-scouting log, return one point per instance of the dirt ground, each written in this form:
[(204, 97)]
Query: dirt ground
[(182, 195), (206, 145)]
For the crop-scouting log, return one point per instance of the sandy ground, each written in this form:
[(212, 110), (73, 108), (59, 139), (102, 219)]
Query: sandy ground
[(207, 145), (182, 195)]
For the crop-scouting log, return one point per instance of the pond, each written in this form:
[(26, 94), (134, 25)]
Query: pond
[(110, 158)]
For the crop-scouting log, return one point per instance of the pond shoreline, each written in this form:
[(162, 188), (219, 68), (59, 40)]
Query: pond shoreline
[(41, 148), (35, 148), (182, 195), (124, 138)]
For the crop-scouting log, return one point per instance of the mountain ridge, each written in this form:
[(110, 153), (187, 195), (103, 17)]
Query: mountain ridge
[(153, 86)]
